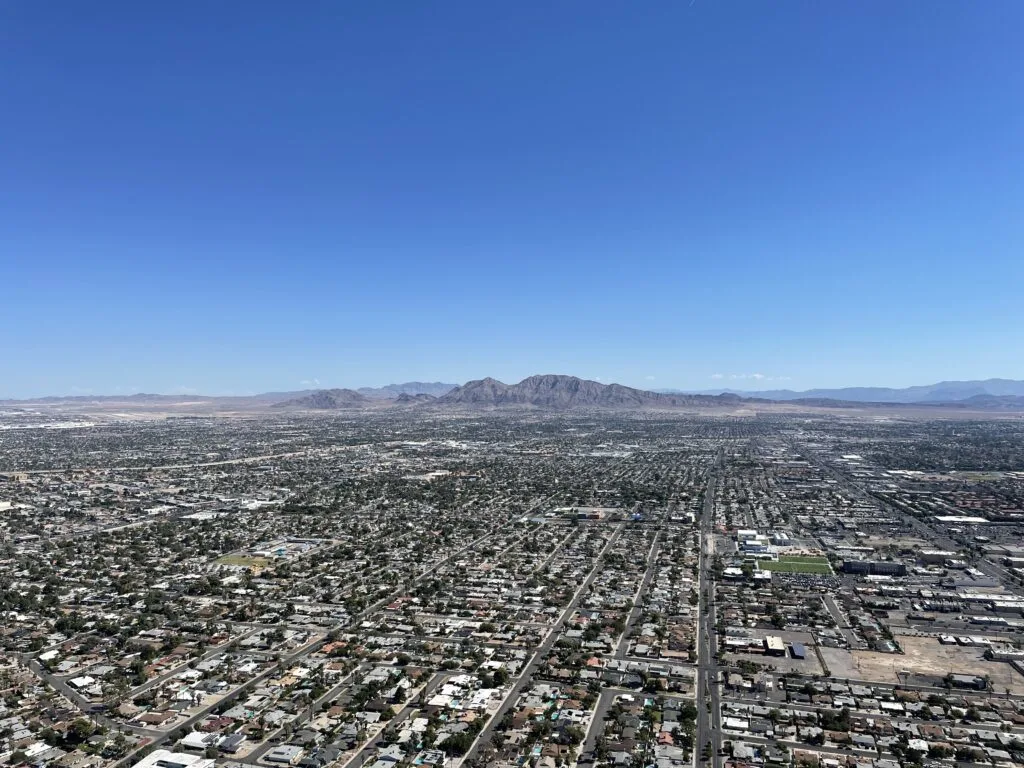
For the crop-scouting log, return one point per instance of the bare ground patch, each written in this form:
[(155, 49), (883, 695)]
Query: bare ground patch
[(924, 656)]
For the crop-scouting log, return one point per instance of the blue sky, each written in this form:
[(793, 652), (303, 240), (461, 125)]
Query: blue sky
[(241, 197)]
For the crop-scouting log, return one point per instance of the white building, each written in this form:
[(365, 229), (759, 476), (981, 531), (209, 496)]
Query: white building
[(164, 758)]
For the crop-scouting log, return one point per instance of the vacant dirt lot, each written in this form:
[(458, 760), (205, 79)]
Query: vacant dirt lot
[(808, 666), (922, 655), (902, 542)]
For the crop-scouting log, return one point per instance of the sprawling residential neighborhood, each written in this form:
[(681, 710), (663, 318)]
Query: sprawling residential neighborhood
[(511, 589)]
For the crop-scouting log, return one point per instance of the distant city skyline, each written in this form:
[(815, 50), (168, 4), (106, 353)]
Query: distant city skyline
[(236, 199)]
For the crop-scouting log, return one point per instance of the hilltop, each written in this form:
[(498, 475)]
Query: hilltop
[(327, 400)]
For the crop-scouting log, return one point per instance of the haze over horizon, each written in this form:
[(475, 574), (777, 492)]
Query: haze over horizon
[(758, 385), (242, 199)]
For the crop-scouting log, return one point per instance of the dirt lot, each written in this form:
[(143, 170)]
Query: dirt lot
[(924, 655), (808, 666), (904, 542)]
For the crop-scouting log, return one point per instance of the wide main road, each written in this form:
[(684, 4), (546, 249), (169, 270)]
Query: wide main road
[(709, 710)]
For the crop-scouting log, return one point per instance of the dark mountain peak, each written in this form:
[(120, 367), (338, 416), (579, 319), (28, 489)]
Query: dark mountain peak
[(553, 380), (326, 400), (406, 399), (478, 392)]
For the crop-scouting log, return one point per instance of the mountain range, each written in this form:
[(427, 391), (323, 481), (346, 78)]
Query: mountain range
[(326, 400), (564, 392), (323, 399), (556, 392), (333, 399), (411, 388), (942, 392)]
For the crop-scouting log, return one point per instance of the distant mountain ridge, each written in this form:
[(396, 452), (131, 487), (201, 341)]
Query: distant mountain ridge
[(406, 399), (387, 392), (327, 400), (942, 392), (413, 388), (404, 394), (554, 392), (564, 392)]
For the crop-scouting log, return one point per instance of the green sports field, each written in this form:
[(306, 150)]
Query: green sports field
[(796, 564)]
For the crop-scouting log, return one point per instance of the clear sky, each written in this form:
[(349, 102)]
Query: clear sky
[(249, 196)]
